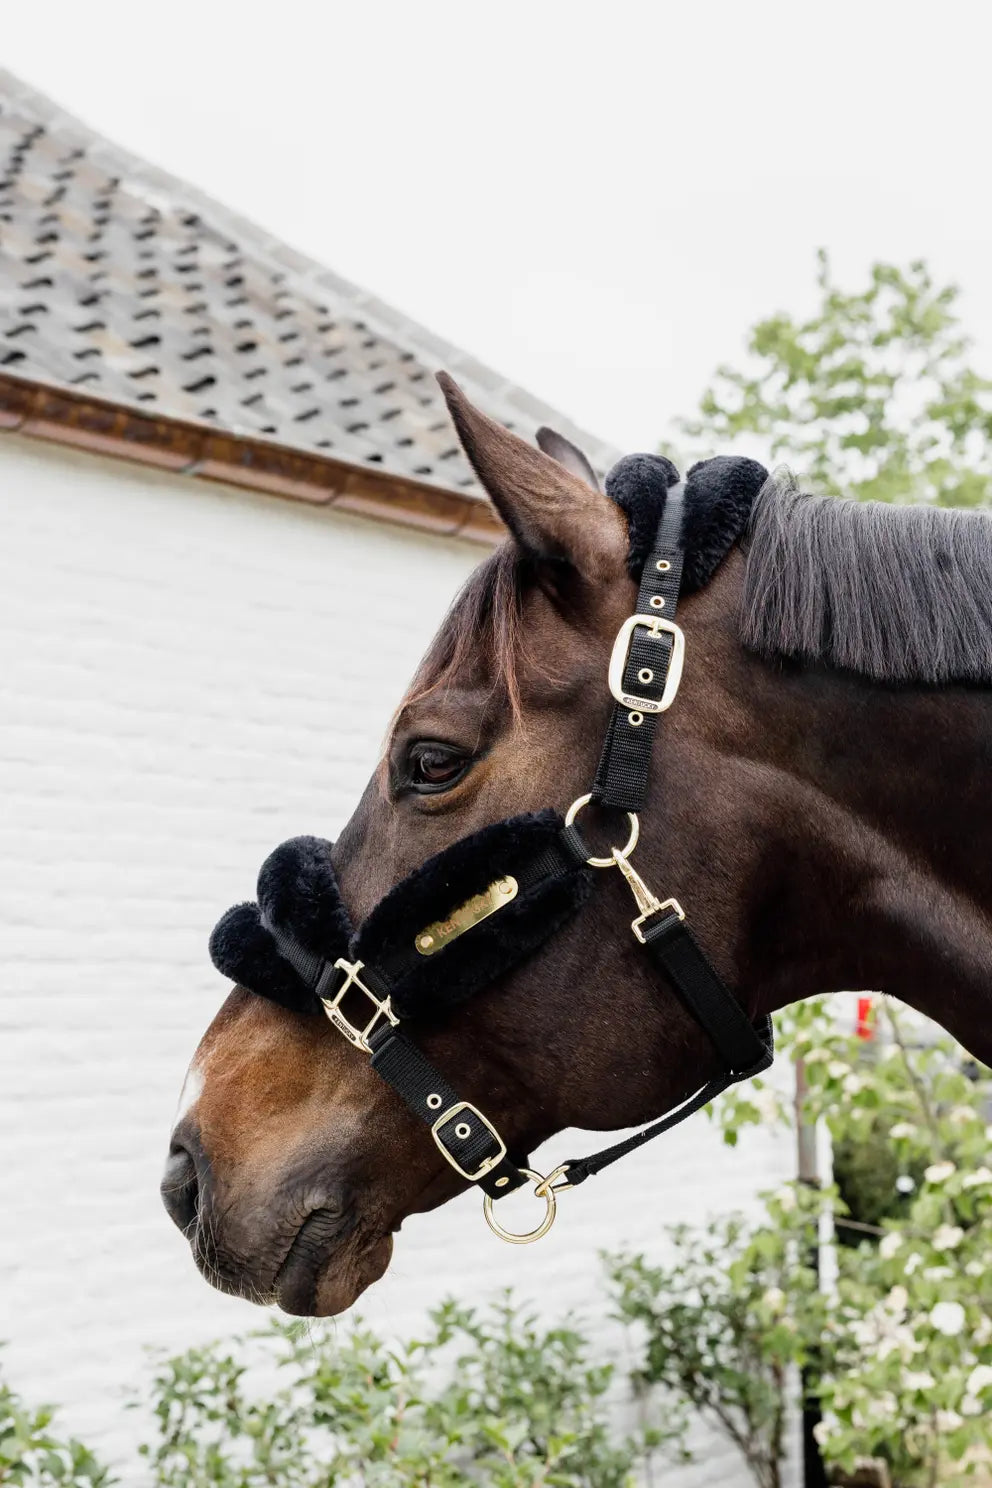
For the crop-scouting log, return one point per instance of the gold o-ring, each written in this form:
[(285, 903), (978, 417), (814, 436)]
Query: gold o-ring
[(635, 832), (551, 1209)]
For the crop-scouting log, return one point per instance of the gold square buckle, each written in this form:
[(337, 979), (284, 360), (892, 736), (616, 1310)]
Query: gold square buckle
[(359, 1037), (618, 662), (463, 1131), (648, 914)]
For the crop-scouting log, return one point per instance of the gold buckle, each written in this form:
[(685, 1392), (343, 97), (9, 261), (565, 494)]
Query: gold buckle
[(359, 1037), (618, 661), (488, 1163)]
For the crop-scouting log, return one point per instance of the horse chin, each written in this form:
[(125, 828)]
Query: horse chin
[(341, 1282)]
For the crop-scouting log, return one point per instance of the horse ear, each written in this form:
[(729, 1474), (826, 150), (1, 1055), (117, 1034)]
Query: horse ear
[(554, 515), (567, 454)]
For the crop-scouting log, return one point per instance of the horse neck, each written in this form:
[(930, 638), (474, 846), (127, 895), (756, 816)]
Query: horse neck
[(826, 833)]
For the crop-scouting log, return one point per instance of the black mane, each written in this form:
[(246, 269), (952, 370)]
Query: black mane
[(896, 593)]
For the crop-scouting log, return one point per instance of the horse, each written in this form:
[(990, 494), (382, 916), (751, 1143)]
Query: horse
[(819, 803)]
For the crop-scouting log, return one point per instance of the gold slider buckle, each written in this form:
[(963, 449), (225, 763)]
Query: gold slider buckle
[(646, 901), (463, 1131), (618, 662), (359, 1037)]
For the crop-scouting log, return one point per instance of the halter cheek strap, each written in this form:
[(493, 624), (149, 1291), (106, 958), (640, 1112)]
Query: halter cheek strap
[(398, 964)]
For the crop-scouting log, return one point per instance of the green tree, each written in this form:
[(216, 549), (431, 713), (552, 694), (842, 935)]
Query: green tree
[(873, 395)]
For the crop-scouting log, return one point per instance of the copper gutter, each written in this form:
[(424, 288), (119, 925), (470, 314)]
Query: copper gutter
[(81, 421)]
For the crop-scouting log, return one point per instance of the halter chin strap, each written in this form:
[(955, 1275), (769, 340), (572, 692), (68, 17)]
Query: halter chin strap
[(543, 865)]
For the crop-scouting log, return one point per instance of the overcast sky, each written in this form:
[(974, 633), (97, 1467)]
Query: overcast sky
[(598, 198)]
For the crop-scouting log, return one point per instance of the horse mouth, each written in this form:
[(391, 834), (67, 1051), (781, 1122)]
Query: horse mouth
[(322, 1274)]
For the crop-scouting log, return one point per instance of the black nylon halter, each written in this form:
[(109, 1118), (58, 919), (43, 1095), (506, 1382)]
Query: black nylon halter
[(547, 863)]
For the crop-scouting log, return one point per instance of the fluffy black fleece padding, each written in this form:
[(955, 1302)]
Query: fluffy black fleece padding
[(298, 892), (432, 983), (719, 494), (298, 895), (243, 949)]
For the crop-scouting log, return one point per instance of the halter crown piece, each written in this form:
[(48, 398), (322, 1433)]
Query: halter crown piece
[(487, 902)]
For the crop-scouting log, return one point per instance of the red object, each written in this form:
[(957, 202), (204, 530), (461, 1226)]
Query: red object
[(866, 1018)]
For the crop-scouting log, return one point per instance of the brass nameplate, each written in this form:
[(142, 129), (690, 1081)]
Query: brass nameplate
[(435, 937)]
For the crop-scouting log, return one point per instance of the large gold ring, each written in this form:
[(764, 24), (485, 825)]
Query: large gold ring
[(547, 1194), (625, 852)]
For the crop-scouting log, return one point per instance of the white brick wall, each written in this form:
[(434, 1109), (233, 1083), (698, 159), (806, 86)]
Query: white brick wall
[(185, 683)]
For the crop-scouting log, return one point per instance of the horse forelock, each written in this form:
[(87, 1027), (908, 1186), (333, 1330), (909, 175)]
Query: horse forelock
[(482, 631)]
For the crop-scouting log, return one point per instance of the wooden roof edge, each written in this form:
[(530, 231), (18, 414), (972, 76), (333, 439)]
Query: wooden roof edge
[(81, 421)]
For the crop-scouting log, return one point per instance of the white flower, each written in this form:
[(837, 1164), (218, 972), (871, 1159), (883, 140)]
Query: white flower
[(822, 1433), (853, 1084), (889, 1245), (982, 1333), (766, 1102), (962, 1115), (978, 1178), (903, 1130), (837, 1069), (816, 1056), (786, 1198), (970, 1406), (948, 1318), (939, 1273), (948, 1420), (913, 1264), (947, 1237), (774, 1298), (897, 1299), (902, 1342), (918, 1379), (975, 1268), (979, 1379), (939, 1172)]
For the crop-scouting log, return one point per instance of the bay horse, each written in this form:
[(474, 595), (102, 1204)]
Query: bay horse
[(820, 803)]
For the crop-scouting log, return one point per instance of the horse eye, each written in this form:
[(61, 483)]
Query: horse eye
[(434, 767)]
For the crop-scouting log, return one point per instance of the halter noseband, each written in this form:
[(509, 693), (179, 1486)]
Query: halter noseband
[(451, 927)]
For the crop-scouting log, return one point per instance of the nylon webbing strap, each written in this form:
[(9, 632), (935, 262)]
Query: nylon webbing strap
[(471, 1144), (622, 775), (675, 951)]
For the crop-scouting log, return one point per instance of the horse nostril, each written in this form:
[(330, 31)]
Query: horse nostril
[(180, 1188)]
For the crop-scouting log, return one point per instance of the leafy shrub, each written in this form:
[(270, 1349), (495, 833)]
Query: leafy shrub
[(31, 1453), (488, 1398), (723, 1327)]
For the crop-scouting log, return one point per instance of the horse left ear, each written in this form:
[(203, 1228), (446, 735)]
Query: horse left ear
[(554, 515)]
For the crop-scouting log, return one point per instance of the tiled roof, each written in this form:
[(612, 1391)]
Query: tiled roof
[(120, 283)]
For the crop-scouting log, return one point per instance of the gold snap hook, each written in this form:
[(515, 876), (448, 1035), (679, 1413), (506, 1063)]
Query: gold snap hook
[(553, 1183), (551, 1209)]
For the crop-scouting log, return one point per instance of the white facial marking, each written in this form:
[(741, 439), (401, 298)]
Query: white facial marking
[(190, 1093)]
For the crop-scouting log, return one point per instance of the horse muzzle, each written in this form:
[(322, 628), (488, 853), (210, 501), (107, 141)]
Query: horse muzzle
[(307, 1252)]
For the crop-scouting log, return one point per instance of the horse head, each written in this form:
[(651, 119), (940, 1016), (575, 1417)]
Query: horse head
[(292, 1162)]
